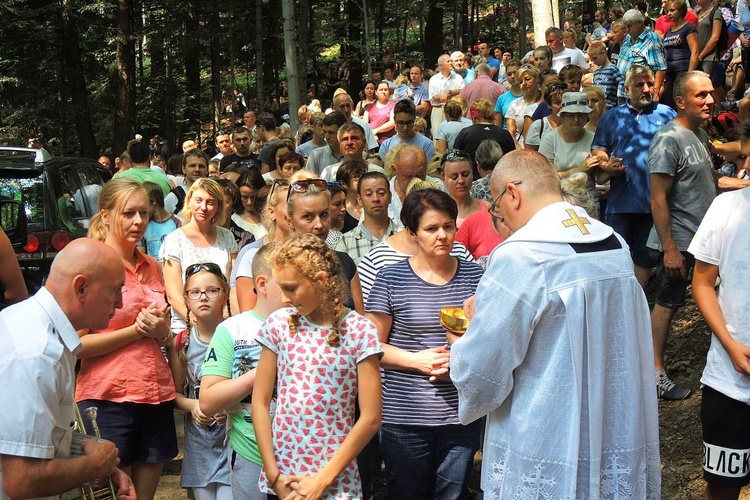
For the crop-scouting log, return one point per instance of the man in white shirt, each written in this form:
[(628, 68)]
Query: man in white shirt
[(560, 362), (443, 85), (194, 166), (410, 163), (562, 56), (37, 370)]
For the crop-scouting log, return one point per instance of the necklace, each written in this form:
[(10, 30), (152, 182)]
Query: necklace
[(424, 275)]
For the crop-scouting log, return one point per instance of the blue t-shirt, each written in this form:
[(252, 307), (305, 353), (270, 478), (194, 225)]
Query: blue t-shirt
[(409, 398), (609, 78), (155, 233), (626, 133), (418, 140), (503, 103), (494, 63)]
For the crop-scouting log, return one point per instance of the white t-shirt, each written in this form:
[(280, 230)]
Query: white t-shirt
[(722, 240), (569, 56)]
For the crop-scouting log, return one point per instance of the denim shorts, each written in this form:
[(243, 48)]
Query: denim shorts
[(670, 290), (142, 432), (634, 229)]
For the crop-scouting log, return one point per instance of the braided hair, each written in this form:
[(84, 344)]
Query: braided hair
[(309, 255)]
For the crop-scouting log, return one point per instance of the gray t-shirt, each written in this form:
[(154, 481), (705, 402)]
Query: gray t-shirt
[(683, 154)]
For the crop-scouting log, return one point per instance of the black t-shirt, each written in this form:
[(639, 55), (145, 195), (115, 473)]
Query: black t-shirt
[(349, 223), (471, 137), (242, 161)]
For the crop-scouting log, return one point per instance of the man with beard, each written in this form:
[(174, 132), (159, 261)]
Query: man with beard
[(241, 139), (622, 140)]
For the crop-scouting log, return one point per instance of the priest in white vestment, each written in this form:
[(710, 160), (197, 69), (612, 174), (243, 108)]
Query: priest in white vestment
[(558, 354)]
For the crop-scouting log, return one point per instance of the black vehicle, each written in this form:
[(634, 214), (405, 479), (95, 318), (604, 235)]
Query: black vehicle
[(59, 196)]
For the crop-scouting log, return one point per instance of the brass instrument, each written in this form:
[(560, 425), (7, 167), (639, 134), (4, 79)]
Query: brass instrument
[(90, 490)]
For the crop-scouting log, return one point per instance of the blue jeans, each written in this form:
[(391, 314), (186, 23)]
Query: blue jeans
[(428, 462)]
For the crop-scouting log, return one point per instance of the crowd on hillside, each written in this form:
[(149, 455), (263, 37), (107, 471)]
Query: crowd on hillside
[(460, 252)]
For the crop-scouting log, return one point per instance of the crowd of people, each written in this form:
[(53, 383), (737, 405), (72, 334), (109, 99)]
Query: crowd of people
[(285, 292)]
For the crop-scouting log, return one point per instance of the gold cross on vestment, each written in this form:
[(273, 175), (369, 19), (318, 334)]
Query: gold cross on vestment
[(576, 221)]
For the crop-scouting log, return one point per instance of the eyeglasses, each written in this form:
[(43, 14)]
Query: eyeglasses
[(211, 293), (409, 123), (492, 210), (204, 266), (455, 155)]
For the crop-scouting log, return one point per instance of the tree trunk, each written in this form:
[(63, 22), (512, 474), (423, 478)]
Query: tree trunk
[(522, 22), (191, 51), (465, 39), (259, 54), (456, 26), (214, 29), (290, 56), (353, 50), (433, 34), (541, 11), (125, 81), (77, 83)]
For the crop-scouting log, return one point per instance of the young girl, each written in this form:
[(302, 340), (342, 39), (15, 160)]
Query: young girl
[(205, 467), (160, 223), (321, 357)]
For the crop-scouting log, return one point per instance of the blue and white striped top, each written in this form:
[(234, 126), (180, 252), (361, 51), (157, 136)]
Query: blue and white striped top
[(409, 398)]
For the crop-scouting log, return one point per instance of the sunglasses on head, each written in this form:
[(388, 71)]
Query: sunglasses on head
[(455, 155), (304, 185), (204, 266), (277, 182)]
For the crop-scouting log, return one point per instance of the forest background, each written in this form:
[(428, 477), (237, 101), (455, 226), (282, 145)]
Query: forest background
[(86, 76)]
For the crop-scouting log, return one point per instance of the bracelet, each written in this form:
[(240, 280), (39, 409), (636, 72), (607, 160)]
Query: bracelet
[(273, 483), (164, 338)]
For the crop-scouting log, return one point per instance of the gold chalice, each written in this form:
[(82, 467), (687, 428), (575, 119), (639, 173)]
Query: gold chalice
[(454, 320)]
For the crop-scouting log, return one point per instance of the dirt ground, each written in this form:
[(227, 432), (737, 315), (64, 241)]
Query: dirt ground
[(679, 421)]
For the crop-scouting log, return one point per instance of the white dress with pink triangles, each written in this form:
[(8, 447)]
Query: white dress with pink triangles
[(317, 389)]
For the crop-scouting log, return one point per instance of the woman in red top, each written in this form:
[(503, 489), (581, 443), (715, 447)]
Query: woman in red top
[(123, 371)]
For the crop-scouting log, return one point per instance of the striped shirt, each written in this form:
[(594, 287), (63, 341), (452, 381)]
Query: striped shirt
[(409, 398), (383, 254)]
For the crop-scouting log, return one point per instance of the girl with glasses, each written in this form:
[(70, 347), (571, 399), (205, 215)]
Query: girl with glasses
[(123, 372), (205, 466), (319, 357), (201, 239)]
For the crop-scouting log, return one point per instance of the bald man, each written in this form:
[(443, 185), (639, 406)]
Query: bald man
[(409, 163), (37, 359), (558, 353)]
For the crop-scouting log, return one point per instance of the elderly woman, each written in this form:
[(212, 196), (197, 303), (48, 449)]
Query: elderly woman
[(427, 452), (482, 113), (200, 239), (380, 114), (568, 147), (123, 372)]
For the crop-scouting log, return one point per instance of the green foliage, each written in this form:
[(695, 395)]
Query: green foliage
[(35, 79)]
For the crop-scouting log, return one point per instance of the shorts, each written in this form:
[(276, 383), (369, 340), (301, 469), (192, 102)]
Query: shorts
[(634, 229), (670, 290), (726, 440), (142, 432)]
